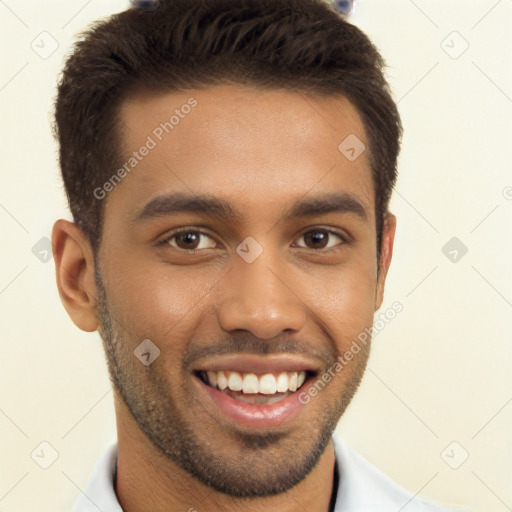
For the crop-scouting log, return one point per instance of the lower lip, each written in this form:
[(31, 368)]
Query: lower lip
[(256, 415)]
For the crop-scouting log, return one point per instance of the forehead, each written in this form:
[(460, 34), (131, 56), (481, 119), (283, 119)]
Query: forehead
[(241, 144)]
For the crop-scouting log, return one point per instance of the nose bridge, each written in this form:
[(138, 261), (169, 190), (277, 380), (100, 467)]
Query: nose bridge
[(258, 296)]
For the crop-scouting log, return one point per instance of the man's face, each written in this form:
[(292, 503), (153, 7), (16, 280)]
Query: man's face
[(290, 298)]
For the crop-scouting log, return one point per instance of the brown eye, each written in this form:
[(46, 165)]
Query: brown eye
[(190, 241), (320, 239), (187, 240)]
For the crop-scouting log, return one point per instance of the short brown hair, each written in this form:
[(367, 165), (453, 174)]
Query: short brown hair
[(301, 45)]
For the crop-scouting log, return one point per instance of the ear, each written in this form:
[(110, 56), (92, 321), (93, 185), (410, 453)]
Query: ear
[(74, 267), (386, 253)]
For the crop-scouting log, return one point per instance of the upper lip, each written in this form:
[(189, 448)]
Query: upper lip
[(258, 364)]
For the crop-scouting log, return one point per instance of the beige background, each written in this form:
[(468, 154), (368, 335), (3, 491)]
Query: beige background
[(439, 372)]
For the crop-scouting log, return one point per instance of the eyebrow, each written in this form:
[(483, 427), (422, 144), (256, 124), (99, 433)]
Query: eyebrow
[(180, 202)]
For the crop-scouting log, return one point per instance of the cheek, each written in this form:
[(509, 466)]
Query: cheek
[(344, 300), (155, 302)]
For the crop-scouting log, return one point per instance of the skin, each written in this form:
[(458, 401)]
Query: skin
[(261, 151)]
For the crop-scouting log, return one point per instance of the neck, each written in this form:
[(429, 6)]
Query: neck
[(147, 481)]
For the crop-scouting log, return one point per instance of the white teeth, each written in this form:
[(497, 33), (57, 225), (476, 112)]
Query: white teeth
[(251, 383), (292, 384), (222, 381), (268, 384), (282, 382), (212, 378), (235, 381)]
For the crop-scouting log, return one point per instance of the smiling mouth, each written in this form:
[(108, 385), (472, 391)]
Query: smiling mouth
[(257, 388)]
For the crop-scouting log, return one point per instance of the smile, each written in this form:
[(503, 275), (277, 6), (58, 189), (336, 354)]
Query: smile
[(251, 396)]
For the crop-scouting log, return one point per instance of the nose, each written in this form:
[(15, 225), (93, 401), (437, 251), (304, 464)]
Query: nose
[(261, 297)]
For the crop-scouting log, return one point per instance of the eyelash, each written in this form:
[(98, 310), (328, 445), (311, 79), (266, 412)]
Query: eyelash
[(344, 239)]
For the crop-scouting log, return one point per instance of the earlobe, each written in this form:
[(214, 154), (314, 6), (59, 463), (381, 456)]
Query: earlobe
[(386, 253), (74, 266)]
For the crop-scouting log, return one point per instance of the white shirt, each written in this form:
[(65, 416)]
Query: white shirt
[(362, 487)]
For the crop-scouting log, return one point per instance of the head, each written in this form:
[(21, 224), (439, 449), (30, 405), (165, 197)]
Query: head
[(183, 132)]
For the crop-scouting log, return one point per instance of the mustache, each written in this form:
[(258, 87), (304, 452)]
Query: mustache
[(247, 344)]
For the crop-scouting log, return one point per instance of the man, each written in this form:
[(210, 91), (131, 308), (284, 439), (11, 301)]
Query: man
[(229, 165)]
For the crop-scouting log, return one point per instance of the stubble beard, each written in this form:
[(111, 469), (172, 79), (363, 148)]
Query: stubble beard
[(254, 465)]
